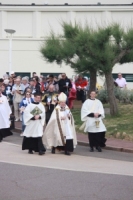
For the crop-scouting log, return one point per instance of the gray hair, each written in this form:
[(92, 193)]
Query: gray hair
[(25, 79)]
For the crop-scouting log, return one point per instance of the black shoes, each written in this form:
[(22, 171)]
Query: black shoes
[(53, 150), (30, 152), (91, 149), (67, 153), (41, 153), (99, 149)]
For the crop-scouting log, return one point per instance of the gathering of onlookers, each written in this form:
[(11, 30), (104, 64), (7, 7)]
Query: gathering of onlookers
[(20, 91)]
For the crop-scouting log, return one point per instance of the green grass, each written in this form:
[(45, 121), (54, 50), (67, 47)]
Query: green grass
[(120, 126)]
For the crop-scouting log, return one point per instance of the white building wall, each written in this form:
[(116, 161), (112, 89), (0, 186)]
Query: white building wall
[(34, 23), (66, 1)]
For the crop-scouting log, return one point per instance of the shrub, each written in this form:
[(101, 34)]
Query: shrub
[(124, 96)]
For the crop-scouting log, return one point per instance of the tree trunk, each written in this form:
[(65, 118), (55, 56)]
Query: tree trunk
[(111, 95), (93, 74)]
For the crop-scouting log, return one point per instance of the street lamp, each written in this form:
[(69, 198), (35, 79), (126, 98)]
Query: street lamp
[(10, 31)]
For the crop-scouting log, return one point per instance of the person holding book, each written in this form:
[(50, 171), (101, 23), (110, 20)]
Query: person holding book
[(34, 118)]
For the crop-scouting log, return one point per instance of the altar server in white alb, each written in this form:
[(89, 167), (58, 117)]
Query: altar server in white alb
[(92, 113), (60, 131), (5, 112), (34, 119)]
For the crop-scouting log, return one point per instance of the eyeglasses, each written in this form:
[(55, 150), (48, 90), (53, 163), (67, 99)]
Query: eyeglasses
[(27, 93)]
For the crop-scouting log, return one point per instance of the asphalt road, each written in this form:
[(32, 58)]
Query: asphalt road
[(23, 182), (33, 183), (83, 150)]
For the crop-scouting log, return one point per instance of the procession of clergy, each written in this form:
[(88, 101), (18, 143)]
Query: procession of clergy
[(49, 123)]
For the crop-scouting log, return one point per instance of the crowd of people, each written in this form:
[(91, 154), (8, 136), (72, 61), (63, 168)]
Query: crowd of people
[(16, 88), (47, 101)]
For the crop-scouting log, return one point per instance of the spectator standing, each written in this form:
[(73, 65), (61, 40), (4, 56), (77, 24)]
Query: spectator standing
[(121, 82), (81, 85), (25, 82), (52, 81), (11, 81), (64, 84), (23, 104), (37, 86), (1, 81), (34, 74), (12, 74), (17, 92), (44, 85), (72, 95)]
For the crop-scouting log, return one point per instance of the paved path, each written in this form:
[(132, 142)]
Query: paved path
[(112, 143), (59, 161), (83, 175)]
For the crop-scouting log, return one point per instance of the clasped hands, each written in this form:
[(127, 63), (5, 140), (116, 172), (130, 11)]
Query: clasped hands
[(37, 117), (96, 115), (64, 117)]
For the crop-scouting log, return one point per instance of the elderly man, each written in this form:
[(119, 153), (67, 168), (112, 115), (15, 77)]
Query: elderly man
[(25, 83), (17, 92), (121, 82), (5, 112), (60, 132), (49, 100)]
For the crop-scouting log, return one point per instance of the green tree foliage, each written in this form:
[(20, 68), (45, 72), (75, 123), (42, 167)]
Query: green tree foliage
[(93, 51)]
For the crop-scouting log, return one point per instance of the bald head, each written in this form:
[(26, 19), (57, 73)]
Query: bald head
[(18, 81), (51, 88)]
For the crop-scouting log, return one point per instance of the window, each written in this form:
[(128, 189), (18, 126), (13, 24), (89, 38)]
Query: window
[(55, 74), (22, 74)]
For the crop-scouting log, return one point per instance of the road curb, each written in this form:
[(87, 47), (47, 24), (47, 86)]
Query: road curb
[(82, 143), (121, 149)]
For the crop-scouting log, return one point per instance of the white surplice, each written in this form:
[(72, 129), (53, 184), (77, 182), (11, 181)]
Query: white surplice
[(52, 133), (92, 106), (34, 128), (5, 112)]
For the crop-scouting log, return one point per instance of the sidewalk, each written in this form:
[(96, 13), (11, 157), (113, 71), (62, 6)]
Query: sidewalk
[(111, 144)]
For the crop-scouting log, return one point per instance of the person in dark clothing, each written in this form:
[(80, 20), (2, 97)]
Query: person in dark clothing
[(35, 85), (52, 81), (64, 84)]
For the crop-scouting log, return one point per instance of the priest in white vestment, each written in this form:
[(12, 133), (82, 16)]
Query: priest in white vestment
[(5, 112), (92, 113), (60, 131), (34, 119)]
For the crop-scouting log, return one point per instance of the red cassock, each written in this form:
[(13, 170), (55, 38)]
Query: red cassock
[(71, 97)]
